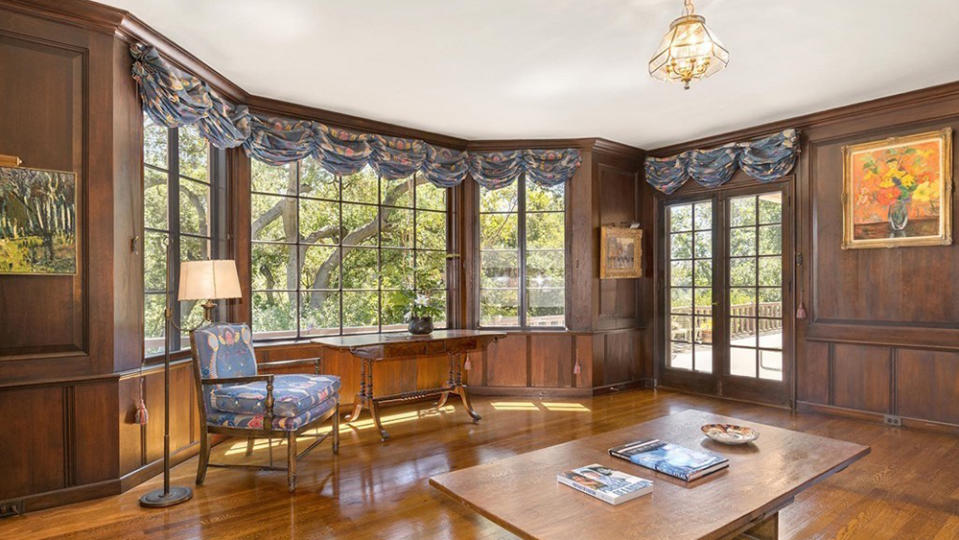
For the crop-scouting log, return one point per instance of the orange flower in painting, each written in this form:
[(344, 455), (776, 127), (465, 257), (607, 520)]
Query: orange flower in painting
[(904, 172)]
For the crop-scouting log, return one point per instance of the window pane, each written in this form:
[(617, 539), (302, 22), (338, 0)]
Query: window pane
[(194, 249), (359, 225), (681, 246), (742, 271), (546, 268), (499, 307), (704, 358), (274, 218), (498, 231), (194, 154), (154, 261), (680, 355), (742, 362), (396, 268), (154, 144), (546, 307), (360, 312), (742, 211), (545, 198), (315, 181), (191, 316), (742, 242), (771, 365), (742, 332), (704, 245), (499, 200), (704, 273), (153, 323), (770, 207), (771, 302), (680, 218), (194, 207), (319, 267), (704, 330), (742, 302), (431, 230), (269, 179), (361, 187), (771, 335), (320, 313), (430, 270), (545, 230), (360, 269), (319, 222), (395, 310), (770, 270), (770, 240), (397, 192), (273, 266), (440, 321), (397, 228), (681, 273), (680, 300), (430, 197), (274, 314), (499, 269), (703, 216), (156, 199), (704, 297), (681, 328)]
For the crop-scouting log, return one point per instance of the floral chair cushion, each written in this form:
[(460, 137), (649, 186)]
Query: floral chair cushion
[(292, 395), (223, 350), (284, 423)]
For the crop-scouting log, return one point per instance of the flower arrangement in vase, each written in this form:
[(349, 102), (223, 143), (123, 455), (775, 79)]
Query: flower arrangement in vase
[(422, 308), (896, 186)]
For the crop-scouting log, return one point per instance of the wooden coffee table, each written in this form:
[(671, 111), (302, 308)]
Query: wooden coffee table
[(743, 501)]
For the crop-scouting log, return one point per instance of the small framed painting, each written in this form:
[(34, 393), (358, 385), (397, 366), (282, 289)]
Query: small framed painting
[(897, 192), (38, 217), (621, 253)]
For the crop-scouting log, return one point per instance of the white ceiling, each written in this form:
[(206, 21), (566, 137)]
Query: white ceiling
[(486, 69)]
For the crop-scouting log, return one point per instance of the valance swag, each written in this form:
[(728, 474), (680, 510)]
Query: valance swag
[(764, 159), (174, 98)]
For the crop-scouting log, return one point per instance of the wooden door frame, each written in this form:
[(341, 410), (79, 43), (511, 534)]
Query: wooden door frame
[(718, 383)]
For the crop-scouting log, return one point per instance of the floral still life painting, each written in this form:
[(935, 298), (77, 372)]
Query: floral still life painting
[(37, 221), (897, 191)]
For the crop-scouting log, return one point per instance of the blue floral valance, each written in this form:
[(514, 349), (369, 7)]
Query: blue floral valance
[(174, 98), (765, 159)]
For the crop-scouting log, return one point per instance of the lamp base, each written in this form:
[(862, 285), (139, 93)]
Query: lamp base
[(158, 499)]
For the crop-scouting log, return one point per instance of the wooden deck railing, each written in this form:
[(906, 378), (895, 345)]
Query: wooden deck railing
[(743, 317)]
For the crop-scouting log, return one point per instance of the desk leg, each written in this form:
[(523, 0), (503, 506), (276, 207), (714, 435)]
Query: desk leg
[(360, 397), (371, 403), (461, 389), (766, 529)]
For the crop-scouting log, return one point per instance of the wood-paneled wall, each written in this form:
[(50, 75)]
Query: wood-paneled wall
[(882, 332)]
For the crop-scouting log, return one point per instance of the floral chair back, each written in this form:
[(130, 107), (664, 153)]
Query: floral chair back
[(224, 350)]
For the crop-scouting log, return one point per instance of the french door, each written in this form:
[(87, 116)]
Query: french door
[(727, 304)]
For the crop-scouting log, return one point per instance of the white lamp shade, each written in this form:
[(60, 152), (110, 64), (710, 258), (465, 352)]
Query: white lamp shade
[(208, 280)]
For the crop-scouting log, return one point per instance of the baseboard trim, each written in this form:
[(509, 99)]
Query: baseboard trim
[(874, 417), (537, 391), (140, 475)]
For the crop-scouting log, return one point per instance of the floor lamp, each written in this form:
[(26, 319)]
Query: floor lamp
[(199, 280)]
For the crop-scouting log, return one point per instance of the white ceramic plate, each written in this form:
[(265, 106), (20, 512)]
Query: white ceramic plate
[(730, 433)]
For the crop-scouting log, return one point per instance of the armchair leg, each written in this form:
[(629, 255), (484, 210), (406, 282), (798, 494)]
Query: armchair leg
[(291, 461), (249, 446), (203, 459), (336, 428)]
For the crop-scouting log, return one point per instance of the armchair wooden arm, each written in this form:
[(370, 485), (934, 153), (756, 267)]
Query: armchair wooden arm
[(268, 405), (279, 364)]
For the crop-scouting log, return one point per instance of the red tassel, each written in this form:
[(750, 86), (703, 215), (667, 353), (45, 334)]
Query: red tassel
[(801, 311), (467, 365), (142, 414), (576, 369)]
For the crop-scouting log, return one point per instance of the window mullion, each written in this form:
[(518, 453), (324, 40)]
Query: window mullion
[(521, 245), (173, 198)]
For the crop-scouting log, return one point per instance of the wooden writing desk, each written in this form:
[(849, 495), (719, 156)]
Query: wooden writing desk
[(404, 346), (743, 501)]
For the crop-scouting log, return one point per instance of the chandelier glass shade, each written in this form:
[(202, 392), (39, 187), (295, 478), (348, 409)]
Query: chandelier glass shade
[(689, 50)]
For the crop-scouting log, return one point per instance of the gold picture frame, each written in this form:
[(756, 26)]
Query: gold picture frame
[(620, 253), (897, 191), (38, 221)]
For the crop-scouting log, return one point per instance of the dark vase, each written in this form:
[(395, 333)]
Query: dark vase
[(421, 325)]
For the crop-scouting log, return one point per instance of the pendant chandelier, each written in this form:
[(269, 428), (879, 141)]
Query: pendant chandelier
[(688, 50)]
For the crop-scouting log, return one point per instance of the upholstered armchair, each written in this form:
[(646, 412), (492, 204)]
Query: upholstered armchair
[(236, 401)]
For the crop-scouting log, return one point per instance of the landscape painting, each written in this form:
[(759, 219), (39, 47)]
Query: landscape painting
[(621, 253), (897, 191), (37, 221)]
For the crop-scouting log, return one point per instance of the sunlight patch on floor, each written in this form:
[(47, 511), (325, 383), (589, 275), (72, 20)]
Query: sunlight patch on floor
[(555, 406)]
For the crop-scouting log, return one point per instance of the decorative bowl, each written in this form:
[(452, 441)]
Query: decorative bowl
[(730, 434)]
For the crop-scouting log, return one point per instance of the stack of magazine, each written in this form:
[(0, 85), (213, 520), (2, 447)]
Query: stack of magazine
[(671, 459), (605, 484)]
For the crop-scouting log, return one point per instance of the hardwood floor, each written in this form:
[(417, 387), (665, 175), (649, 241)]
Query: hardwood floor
[(908, 487)]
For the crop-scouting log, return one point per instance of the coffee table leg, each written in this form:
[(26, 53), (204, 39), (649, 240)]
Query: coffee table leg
[(767, 529)]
